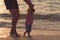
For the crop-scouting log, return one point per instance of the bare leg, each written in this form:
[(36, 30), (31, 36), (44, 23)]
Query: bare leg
[(29, 3), (29, 34), (15, 16), (25, 33)]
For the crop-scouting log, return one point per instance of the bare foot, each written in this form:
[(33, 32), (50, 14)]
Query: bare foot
[(15, 35)]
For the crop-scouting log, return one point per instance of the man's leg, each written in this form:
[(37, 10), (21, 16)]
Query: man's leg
[(29, 3), (15, 16)]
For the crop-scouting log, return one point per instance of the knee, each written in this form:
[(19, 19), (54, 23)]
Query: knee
[(17, 15)]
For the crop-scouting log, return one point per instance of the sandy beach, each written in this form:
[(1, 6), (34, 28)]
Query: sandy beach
[(46, 24), (36, 35)]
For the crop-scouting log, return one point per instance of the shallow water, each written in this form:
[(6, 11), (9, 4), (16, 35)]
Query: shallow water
[(41, 6)]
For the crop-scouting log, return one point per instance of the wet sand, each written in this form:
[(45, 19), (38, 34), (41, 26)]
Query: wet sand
[(36, 35)]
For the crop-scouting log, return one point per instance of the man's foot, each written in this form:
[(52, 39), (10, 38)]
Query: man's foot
[(14, 35)]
